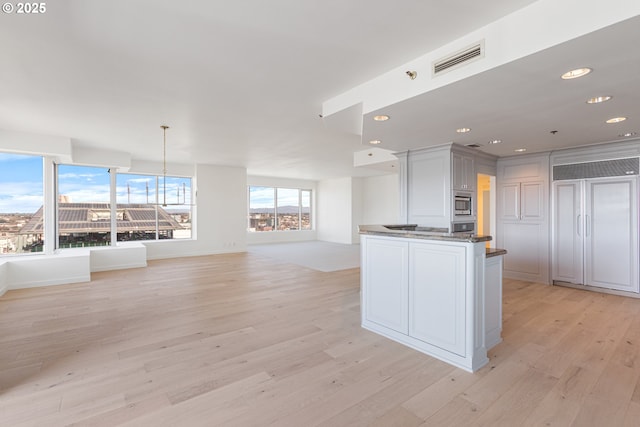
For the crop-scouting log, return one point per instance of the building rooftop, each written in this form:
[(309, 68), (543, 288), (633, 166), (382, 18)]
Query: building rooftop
[(96, 217)]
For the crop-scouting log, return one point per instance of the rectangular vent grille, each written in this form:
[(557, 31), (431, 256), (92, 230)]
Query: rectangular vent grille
[(473, 145), (619, 167), (474, 52)]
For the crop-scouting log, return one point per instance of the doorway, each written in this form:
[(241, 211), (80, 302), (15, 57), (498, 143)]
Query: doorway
[(486, 211)]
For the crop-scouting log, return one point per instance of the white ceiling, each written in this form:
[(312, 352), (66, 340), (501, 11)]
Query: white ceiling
[(522, 102), (242, 83)]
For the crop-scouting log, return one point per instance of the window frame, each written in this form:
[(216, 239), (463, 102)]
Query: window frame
[(275, 209), (113, 204)]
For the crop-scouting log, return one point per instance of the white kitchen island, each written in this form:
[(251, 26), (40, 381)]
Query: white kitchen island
[(429, 290)]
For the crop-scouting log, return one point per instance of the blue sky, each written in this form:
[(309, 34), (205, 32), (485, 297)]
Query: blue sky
[(21, 188), (263, 197), (20, 183)]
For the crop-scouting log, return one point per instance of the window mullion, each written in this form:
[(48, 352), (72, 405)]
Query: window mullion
[(157, 206), (276, 220), (49, 206), (299, 209), (114, 207)]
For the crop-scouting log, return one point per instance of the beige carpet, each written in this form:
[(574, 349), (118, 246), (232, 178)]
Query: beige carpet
[(317, 255)]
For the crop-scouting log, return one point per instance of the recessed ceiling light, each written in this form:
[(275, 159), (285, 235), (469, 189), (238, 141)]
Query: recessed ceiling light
[(574, 74), (495, 141), (381, 118), (520, 150), (375, 142), (616, 120), (463, 130), (598, 99), (628, 134)]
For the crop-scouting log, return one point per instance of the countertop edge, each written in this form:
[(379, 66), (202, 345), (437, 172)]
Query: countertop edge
[(491, 252), (380, 230)]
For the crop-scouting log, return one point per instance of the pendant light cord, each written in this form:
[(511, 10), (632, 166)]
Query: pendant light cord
[(164, 164)]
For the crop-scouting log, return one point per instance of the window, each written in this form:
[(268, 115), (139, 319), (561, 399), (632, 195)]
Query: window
[(175, 199), (279, 209), (262, 209), (84, 209), (21, 204), (149, 209)]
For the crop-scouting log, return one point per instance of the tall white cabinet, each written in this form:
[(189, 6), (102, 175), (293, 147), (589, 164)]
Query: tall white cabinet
[(523, 216), (595, 232)]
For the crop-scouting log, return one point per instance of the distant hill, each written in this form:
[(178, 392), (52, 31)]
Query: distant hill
[(289, 210)]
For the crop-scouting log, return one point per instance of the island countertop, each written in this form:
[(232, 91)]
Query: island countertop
[(412, 231)]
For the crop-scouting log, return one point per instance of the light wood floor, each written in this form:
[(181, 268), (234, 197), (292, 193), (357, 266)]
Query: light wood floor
[(232, 340)]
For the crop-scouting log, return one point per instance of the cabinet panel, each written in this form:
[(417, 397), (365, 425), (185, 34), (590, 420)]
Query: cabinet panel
[(567, 232), (524, 244), (428, 195), (611, 234), (510, 201), (437, 295), (493, 301), (523, 217), (386, 288), (463, 173), (531, 201)]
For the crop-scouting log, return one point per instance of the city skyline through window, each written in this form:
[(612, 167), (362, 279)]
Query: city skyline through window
[(279, 209), (21, 197)]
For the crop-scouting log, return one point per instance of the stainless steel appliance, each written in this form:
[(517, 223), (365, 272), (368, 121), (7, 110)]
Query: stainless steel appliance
[(463, 227), (462, 205)]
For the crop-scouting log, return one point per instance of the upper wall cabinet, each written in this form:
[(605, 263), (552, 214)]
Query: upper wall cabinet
[(522, 201), (428, 178), (463, 172), (428, 193)]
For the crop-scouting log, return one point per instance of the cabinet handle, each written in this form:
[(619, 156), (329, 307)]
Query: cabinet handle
[(578, 225), (587, 233)]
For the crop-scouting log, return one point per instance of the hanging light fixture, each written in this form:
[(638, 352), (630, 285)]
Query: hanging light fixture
[(164, 176), (164, 164)]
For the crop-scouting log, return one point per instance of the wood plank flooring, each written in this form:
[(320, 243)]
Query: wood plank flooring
[(236, 340)]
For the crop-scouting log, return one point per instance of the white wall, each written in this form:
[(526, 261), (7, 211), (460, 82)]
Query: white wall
[(381, 199), (334, 210), (4, 279), (357, 208), (219, 215), (345, 203), (283, 236)]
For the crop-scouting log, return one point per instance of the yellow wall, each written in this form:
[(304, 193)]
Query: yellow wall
[(484, 184)]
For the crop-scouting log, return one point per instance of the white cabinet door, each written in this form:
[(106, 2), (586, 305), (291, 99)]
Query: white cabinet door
[(429, 188), (526, 250), (509, 208), (437, 295), (463, 173), (532, 201), (611, 234), (568, 233), (385, 287), (522, 201)]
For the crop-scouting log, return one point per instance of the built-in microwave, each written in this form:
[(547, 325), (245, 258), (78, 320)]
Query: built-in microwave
[(462, 204)]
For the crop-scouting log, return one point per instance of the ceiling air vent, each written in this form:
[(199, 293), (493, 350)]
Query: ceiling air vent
[(459, 58), (473, 145)]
